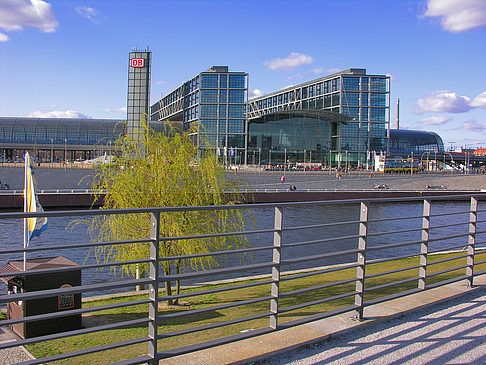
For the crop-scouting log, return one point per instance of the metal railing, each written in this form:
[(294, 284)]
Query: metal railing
[(285, 281)]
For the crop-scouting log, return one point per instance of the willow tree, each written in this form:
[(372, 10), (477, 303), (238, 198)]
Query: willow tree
[(165, 170)]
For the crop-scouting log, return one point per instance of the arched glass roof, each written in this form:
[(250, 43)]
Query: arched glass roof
[(404, 142)]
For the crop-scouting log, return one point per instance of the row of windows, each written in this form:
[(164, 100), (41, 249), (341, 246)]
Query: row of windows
[(226, 140), (211, 96), (191, 100), (230, 110), (223, 125), (190, 114), (209, 81), (137, 75)]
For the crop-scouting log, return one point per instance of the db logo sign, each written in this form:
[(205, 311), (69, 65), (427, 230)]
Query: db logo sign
[(137, 62)]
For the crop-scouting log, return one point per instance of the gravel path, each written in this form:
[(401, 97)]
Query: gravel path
[(453, 332)]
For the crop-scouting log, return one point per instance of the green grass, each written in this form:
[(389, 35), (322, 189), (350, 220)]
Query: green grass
[(49, 348)]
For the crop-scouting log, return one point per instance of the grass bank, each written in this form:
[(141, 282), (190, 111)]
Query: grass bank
[(192, 302)]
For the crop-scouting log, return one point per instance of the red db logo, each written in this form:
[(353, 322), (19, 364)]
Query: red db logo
[(137, 62)]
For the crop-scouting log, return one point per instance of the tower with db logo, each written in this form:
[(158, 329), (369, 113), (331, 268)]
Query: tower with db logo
[(138, 100)]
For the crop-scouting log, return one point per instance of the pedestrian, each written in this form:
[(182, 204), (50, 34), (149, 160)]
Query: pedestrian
[(283, 178)]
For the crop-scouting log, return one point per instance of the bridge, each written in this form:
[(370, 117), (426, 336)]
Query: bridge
[(284, 290)]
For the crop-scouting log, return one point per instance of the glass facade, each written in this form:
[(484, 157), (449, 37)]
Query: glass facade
[(215, 101), (364, 98), (406, 142), (293, 134), (138, 99)]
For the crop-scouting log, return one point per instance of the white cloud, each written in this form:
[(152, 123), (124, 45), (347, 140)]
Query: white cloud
[(88, 13), (17, 14), (122, 110), (255, 93), (479, 101), (293, 77), (58, 114), (435, 120), (318, 70), (473, 126), (290, 62), (3, 37), (458, 15), (444, 102)]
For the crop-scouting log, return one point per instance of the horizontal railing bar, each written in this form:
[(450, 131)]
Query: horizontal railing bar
[(386, 259), (92, 350), (448, 225), (449, 213), (391, 297), (75, 246), (213, 308), (83, 331), (482, 272), (214, 272), (332, 239), (72, 290), (145, 359), (72, 312), (392, 271), (445, 250), (322, 225), (315, 302), (315, 317), (442, 238), (376, 220), (393, 283), (319, 272), (217, 290), (213, 325), (479, 262), (430, 263), (315, 257), (216, 342), (72, 268), (213, 235), (394, 232), (317, 287), (445, 282), (391, 245), (215, 253), (446, 271)]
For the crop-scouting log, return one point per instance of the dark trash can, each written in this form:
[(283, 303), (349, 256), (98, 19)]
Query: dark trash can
[(36, 282)]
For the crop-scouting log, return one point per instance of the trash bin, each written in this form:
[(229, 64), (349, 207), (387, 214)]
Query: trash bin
[(30, 283)]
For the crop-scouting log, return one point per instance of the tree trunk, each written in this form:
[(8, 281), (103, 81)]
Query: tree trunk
[(168, 285)]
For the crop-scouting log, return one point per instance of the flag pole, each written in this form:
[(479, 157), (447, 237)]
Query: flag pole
[(26, 226)]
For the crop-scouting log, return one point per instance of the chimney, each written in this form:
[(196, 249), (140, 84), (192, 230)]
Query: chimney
[(398, 113)]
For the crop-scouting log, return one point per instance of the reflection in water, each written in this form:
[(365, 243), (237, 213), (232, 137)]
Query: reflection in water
[(58, 233)]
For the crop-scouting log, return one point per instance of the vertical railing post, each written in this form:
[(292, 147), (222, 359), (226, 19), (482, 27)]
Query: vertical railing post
[(154, 284), (277, 253), (361, 269), (424, 245), (473, 218)]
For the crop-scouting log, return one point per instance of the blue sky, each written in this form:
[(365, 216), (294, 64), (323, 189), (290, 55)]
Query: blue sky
[(69, 58)]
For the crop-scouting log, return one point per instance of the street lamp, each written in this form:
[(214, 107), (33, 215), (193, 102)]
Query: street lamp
[(285, 160), (52, 152), (65, 152), (270, 157), (259, 155), (304, 158)]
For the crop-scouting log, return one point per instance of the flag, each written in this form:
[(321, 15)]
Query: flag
[(37, 225)]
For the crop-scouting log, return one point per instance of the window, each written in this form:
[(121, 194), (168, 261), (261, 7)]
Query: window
[(351, 111), (237, 96), (335, 99), (364, 99), (209, 81), (237, 81), (351, 83), (209, 96), (222, 126), (377, 114), (209, 125), (377, 99), (377, 84), (222, 111), (223, 96), (236, 111), (236, 126), (364, 114), (350, 98), (209, 110), (365, 81), (223, 81)]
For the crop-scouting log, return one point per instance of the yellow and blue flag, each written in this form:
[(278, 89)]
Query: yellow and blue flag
[(35, 225)]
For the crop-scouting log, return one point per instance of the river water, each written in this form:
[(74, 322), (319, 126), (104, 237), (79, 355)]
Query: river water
[(60, 231)]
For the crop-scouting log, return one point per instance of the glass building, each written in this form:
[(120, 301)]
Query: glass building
[(138, 96), (364, 98), (405, 142), (215, 102), (60, 139), (295, 136)]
